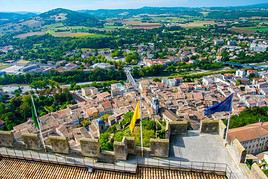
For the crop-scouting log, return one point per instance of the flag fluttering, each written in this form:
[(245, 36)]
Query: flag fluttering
[(34, 118), (224, 106), (136, 115)]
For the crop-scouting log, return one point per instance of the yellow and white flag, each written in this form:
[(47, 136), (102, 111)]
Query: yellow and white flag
[(136, 115)]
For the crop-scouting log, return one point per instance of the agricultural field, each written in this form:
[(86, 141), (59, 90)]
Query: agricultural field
[(29, 34), (142, 25), (76, 34), (197, 24), (249, 30)]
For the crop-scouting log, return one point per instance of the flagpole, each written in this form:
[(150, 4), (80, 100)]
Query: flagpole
[(141, 125), (39, 124), (228, 122)]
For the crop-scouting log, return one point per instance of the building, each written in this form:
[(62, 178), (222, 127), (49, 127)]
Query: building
[(258, 47), (30, 68), (232, 43), (253, 137), (102, 65), (169, 115), (172, 82), (89, 91), (240, 73), (71, 66), (219, 42), (117, 89), (155, 105)]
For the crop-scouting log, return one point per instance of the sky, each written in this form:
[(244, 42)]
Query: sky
[(45, 5)]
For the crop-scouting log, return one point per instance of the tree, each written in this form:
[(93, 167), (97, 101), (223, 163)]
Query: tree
[(39, 84), (132, 58)]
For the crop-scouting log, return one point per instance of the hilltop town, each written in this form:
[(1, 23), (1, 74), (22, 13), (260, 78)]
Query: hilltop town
[(74, 83)]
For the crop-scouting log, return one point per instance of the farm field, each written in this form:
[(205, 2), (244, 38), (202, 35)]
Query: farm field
[(29, 34), (260, 29), (142, 25), (197, 24), (76, 34), (249, 30)]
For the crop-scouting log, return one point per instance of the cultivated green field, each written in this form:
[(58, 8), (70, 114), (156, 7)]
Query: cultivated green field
[(260, 29)]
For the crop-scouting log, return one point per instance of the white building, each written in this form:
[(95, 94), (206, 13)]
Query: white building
[(240, 73), (117, 89), (258, 47), (253, 137), (89, 91)]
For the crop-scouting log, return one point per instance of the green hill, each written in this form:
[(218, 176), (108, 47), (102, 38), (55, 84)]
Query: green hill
[(68, 17)]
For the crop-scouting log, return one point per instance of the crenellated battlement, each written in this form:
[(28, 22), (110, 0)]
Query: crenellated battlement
[(88, 147)]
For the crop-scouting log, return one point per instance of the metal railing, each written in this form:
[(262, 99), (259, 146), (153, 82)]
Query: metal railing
[(204, 167), (123, 166)]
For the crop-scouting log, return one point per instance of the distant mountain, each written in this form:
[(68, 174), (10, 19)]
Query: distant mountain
[(125, 13), (263, 5), (104, 13), (7, 17), (67, 17)]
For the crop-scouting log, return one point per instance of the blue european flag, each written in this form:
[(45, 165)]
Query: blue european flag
[(224, 106)]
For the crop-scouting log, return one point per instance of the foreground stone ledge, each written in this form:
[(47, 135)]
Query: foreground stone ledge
[(32, 141), (59, 144), (90, 147), (210, 126), (178, 127), (159, 148), (120, 150), (7, 139)]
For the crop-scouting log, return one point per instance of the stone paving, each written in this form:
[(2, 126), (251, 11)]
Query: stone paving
[(202, 148)]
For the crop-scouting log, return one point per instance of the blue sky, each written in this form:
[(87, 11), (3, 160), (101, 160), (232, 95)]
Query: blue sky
[(44, 5)]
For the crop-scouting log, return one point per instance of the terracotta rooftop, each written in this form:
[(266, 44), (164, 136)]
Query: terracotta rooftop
[(13, 168), (249, 132)]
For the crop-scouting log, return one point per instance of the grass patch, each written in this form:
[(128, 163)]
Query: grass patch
[(202, 74), (116, 132), (113, 27), (3, 66)]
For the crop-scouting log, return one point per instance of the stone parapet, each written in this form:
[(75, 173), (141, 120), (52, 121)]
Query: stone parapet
[(6, 139), (59, 144)]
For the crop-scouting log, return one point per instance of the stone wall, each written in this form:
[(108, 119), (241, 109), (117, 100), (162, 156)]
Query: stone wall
[(159, 147), (6, 139), (210, 126), (222, 128), (237, 151), (177, 127), (90, 147), (59, 144), (120, 150), (107, 156), (257, 173), (32, 141), (131, 146), (254, 172), (146, 151)]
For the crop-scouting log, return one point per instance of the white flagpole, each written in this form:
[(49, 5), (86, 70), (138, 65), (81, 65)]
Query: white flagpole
[(141, 125), (228, 122), (39, 124)]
